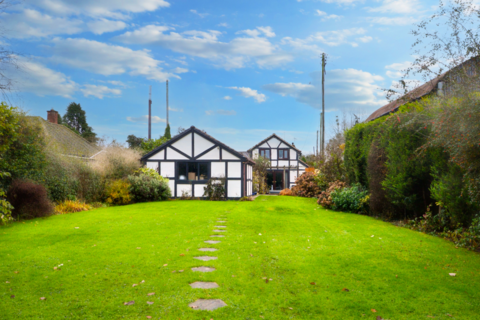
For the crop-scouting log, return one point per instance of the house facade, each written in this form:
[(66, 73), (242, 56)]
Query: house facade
[(190, 159), (285, 163)]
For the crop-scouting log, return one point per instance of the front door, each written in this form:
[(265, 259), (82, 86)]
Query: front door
[(275, 180)]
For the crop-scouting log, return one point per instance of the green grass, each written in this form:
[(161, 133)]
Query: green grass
[(400, 273)]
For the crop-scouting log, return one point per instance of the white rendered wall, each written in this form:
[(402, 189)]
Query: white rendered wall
[(167, 169), (153, 165), (234, 188), (211, 155), (218, 170), (249, 171), (249, 188), (274, 154), (174, 155), (293, 176), (171, 184), (293, 154), (228, 156), (201, 144), (198, 188), (234, 170), (283, 146), (255, 153), (158, 156), (293, 163), (265, 145), (273, 163), (184, 187), (184, 145), (301, 166), (274, 142), (282, 163)]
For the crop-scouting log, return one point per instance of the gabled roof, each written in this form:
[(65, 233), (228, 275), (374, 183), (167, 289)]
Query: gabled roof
[(200, 133), (274, 136), (62, 140)]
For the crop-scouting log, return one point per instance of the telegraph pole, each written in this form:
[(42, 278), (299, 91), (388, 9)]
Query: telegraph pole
[(167, 103), (322, 128), (150, 114), (317, 141)]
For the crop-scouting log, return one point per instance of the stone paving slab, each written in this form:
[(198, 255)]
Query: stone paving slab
[(219, 227), (210, 304), (217, 235), (219, 230), (203, 269), (221, 221), (204, 285), (212, 241), (208, 249), (205, 258)]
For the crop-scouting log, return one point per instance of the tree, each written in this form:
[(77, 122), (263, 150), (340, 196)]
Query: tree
[(8, 59), (134, 142), (149, 145), (75, 118), (167, 132), (260, 174)]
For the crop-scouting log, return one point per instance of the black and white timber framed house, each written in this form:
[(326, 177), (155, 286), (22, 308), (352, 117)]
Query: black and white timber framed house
[(285, 163), (190, 159)]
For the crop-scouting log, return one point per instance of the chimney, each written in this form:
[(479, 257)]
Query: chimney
[(52, 116)]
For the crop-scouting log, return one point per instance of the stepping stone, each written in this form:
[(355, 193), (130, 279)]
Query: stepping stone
[(217, 235), (204, 285), (205, 258), (221, 221), (220, 226), (208, 249), (207, 304), (212, 241), (203, 269), (219, 230)]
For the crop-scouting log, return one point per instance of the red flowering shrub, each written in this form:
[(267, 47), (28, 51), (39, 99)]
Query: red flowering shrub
[(325, 199), (305, 186), (286, 192)]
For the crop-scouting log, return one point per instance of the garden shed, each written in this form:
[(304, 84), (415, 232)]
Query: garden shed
[(190, 159)]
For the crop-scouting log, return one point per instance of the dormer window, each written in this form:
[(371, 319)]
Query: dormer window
[(265, 153), (282, 154)]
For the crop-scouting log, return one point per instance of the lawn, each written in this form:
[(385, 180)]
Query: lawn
[(322, 265)]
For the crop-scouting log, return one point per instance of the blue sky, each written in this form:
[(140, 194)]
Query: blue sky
[(240, 70)]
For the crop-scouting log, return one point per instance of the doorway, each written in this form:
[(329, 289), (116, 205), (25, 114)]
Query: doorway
[(275, 179)]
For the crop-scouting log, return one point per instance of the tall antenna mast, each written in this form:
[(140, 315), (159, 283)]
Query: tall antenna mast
[(317, 142), (150, 114), (322, 128), (167, 102)]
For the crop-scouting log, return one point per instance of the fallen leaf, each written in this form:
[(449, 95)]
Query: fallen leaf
[(259, 234), (55, 268), (129, 303), (345, 289), (290, 308), (149, 302), (452, 274), (12, 296), (174, 271), (134, 285), (396, 276), (165, 265), (448, 314), (180, 271), (143, 281), (425, 268), (16, 272), (379, 318), (139, 248), (373, 310), (312, 283), (194, 307), (182, 254), (266, 280), (77, 228), (233, 276), (372, 236), (151, 294), (7, 281), (43, 298), (149, 317)]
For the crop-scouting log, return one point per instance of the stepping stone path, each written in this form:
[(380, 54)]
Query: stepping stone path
[(208, 304), (205, 258), (204, 285)]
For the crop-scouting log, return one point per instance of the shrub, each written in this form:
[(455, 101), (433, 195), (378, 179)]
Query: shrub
[(116, 162), (151, 173), (29, 199), (70, 206), (305, 186), (5, 206), (350, 199), (260, 175), (92, 184), (376, 172), (145, 188), (286, 192), (60, 178), (117, 192), (215, 189), (321, 180), (325, 199)]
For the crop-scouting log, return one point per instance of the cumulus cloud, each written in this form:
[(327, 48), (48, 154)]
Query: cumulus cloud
[(104, 25), (397, 6), (250, 93), (227, 98), (144, 119), (105, 8), (397, 70), (325, 16), (346, 89), (266, 31), (301, 45), (99, 91), (105, 59), (393, 21), (337, 37), (175, 109), (201, 15), (237, 53)]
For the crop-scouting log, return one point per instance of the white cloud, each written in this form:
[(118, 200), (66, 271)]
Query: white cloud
[(31, 23), (326, 16), (99, 91), (397, 21), (107, 8), (250, 93), (301, 45), (103, 25), (266, 31), (221, 112), (209, 112), (144, 119), (342, 2), (175, 109), (346, 89), (397, 70), (397, 6), (201, 15), (365, 39), (238, 53), (101, 58), (36, 78), (223, 24), (227, 98), (337, 37)]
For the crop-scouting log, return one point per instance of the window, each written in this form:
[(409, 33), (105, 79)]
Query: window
[(193, 171), (265, 153), (282, 154)]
